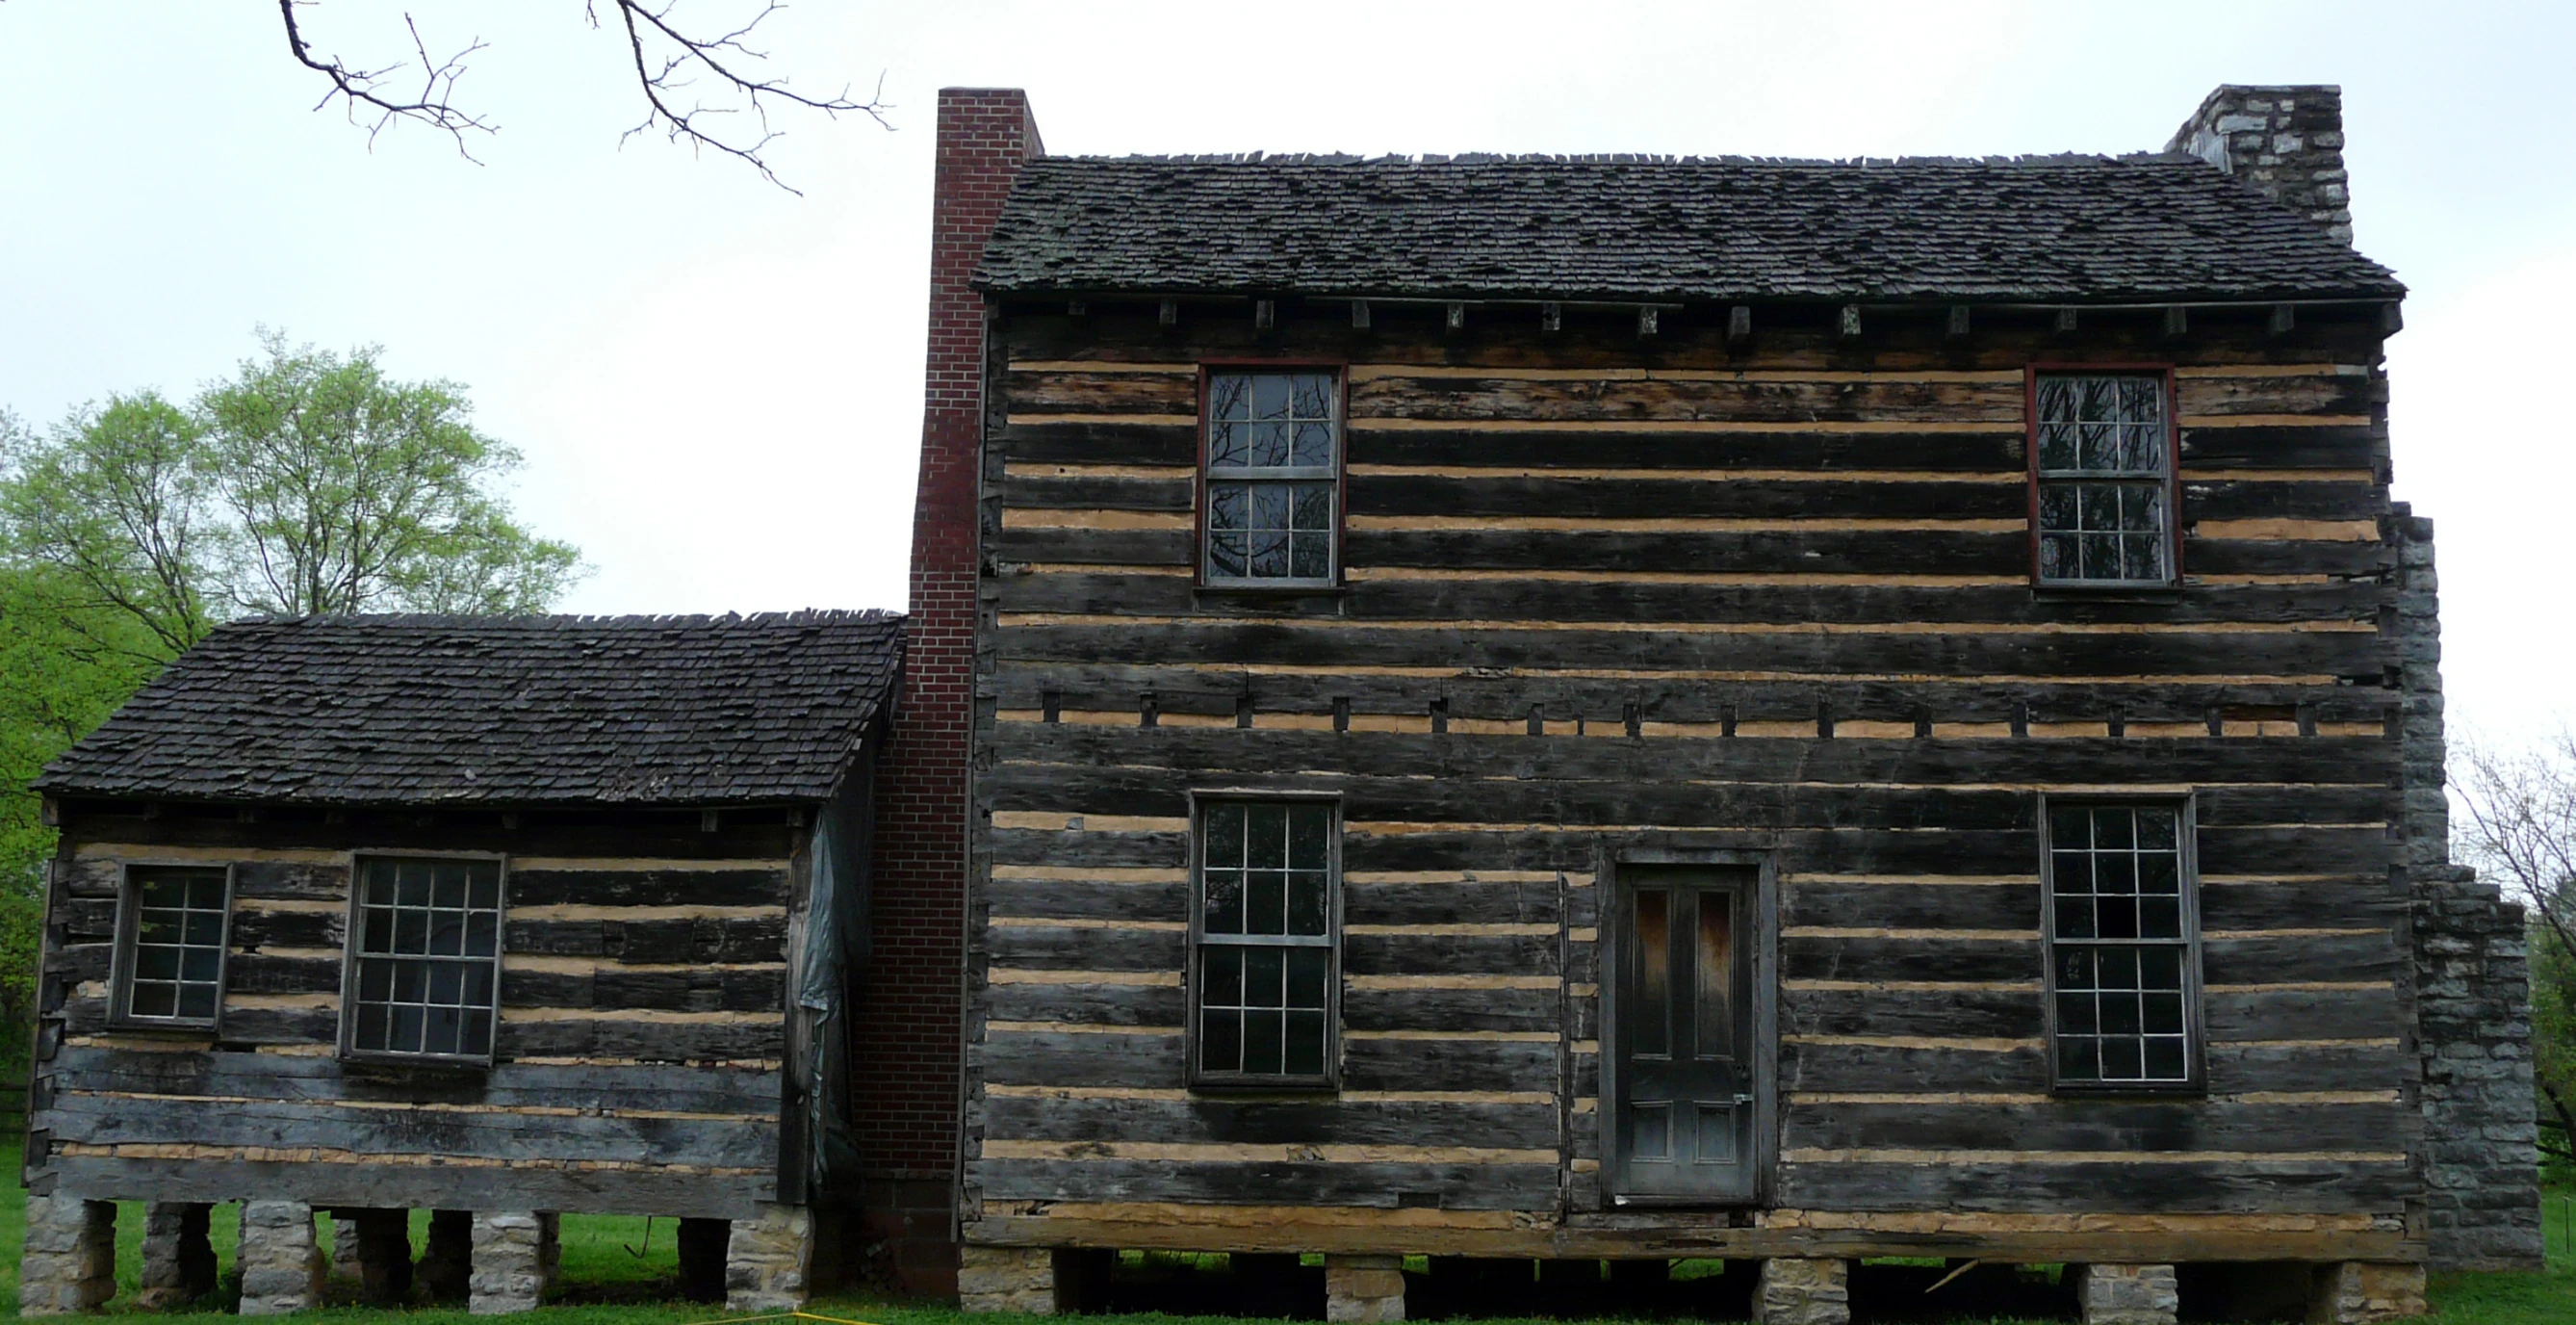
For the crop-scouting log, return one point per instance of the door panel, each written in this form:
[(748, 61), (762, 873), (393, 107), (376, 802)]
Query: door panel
[(1683, 1005)]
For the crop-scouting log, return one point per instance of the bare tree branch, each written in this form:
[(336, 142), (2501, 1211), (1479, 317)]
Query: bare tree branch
[(680, 55), (430, 106)]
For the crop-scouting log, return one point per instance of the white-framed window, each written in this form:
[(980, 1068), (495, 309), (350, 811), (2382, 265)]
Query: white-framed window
[(173, 929), (1265, 921), (2123, 935), (1271, 478), (424, 963)]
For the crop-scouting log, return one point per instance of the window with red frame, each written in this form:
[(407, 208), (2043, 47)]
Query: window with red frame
[(2103, 451), (1273, 479)]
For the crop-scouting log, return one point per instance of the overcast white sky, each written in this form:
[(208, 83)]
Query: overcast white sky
[(717, 385)]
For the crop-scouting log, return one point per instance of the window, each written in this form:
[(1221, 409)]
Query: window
[(1273, 478), (1266, 923), (425, 958), (170, 946), (2102, 453), (2124, 955)]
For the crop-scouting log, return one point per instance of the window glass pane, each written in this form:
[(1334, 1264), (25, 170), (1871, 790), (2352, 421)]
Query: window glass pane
[(1229, 396), (2097, 447), (2165, 1059), (2142, 400), (1311, 396), (1267, 555), (1262, 1030), (196, 1002), (1228, 446), (1307, 968), (1650, 1023), (2099, 399), (1268, 444), (1265, 902), (1310, 840), (1229, 556), (1270, 396), (154, 998), (1306, 903), (1714, 975), (1220, 1039), (1224, 909), (1305, 1044), (1313, 446), (1221, 977), (1229, 506), (2056, 399)]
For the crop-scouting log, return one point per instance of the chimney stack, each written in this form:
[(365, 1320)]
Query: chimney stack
[(2285, 141)]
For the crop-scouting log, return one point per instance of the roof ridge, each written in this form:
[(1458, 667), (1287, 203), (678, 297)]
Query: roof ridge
[(1261, 158)]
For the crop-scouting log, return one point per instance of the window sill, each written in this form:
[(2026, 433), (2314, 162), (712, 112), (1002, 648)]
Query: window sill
[(2129, 1090), (1290, 1089), (416, 1063), (166, 1030)]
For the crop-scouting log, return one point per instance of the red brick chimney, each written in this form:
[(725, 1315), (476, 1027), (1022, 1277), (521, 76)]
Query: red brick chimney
[(909, 1025)]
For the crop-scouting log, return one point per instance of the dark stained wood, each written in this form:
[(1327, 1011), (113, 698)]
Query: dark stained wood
[(416, 1186)]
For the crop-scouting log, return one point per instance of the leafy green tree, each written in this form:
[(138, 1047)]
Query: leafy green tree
[(310, 483)]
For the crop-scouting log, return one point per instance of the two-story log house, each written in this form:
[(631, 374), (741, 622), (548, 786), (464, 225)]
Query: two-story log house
[(1610, 709)]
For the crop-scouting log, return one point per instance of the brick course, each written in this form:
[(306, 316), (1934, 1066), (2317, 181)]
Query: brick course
[(909, 1020)]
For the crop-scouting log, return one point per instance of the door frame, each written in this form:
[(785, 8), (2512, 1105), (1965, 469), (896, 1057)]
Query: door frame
[(1764, 951)]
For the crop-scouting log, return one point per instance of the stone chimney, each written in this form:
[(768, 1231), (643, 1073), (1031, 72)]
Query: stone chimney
[(2286, 141)]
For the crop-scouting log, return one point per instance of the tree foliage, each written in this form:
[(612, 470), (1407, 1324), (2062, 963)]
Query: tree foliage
[(310, 483), (2518, 827)]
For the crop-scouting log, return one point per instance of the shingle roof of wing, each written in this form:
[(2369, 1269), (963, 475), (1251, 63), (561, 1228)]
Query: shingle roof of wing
[(2079, 228), (524, 710)]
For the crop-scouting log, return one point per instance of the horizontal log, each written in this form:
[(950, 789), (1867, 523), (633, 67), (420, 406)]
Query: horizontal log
[(709, 939), (1057, 948), (661, 1086), (665, 887), (1494, 645), (1702, 604), (2230, 1185), (1966, 1013), (1073, 391), (1952, 452), (2176, 1126), (1500, 402), (409, 1186), (473, 1133), (2347, 447), (2165, 1239), (1981, 498), (1324, 1122), (1448, 1186), (1426, 954), (1663, 697)]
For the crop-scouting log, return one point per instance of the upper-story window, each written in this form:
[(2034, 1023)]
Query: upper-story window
[(2102, 455), (170, 943), (425, 958), (1273, 479)]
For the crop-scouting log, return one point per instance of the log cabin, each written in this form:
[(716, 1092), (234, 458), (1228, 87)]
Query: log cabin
[(495, 918), (1562, 715)]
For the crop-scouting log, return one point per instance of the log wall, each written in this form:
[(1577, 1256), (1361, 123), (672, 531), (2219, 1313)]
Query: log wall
[(1605, 593), (637, 1055)]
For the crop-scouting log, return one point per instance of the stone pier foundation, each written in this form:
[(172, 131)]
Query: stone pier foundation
[(2361, 1293), (1364, 1289), (511, 1262), (280, 1260), (2126, 1294), (1018, 1279), (178, 1255), (70, 1259), (1800, 1291), (446, 1268), (769, 1261)]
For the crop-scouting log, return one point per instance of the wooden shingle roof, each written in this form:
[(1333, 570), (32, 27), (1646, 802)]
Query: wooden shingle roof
[(2159, 228), (379, 710)]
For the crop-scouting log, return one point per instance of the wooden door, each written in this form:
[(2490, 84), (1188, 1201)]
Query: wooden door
[(1687, 1070)]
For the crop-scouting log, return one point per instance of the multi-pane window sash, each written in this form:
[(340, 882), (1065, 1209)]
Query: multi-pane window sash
[(174, 938), (427, 957), (2104, 477), (2123, 967), (1266, 953), (1273, 447)]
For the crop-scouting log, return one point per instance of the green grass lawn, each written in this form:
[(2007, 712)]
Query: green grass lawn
[(626, 1274)]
